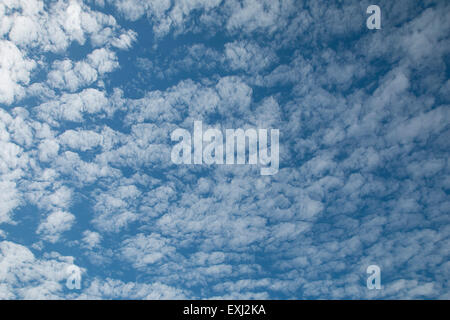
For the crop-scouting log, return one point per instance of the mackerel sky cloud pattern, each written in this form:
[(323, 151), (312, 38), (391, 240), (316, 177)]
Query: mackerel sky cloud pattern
[(90, 92)]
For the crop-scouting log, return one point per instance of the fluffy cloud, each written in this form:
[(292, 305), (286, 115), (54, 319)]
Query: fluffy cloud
[(249, 56), (81, 140), (70, 76), (143, 251), (14, 72), (116, 289), (55, 224), (72, 107), (363, 175), (91, 239), (10, 199), (53, 30), (26, 277), (28, 24)]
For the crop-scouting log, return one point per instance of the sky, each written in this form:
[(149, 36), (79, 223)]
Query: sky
[(90, 92)]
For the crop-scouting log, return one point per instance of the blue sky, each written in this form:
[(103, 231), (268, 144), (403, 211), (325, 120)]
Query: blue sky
[(91, 91)]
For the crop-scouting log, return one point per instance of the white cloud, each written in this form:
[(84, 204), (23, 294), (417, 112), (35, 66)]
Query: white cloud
[(48, 150), (9, 199), (116, 208), (103, 60), (26, 277), (15, 71), (81, 139), (55, 224), (115, 289), (31, 25), (364, 170), (54, 26), (125, 40), (249, 56), (71, 107), (164, 15), (71, 76), (143, 250), (251, 15), (91, 239), (235, 94)]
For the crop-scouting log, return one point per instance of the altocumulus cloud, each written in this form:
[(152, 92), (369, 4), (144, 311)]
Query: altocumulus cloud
[(91, 90)]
